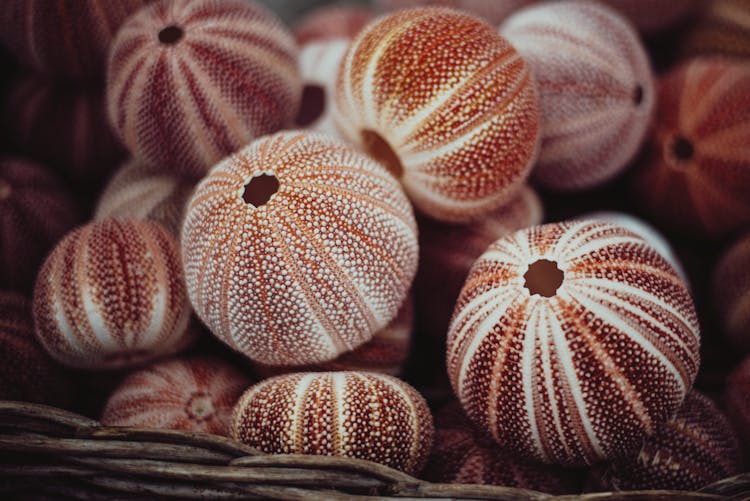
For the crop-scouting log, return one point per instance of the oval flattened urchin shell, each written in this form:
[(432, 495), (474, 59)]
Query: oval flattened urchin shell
[(140, 192), (737, 402), (696, 178), (309, 273), (351, 414), (446, 104), (694, 448), (192, 394), (35, 212), (111, 295), (332, 22), (731, 293), (493, 11), (722, 29), (190, 81), (27, 372), (572, 341), (651, 16), (596, 90)]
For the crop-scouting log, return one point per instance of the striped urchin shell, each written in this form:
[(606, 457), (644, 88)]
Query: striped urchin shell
[(446, 104), (140, 192), (193, 394), (651, 16), (110, 295), (464, 455), (493, 11), (190, 81), (64, 38), (723, 28), (352, 414), (319, 62), (692, 449), (447, 251), (731, 292), (596, 90), (63, 126), (696, 178), (736, 401), (298, 248), (572, 341), (35, 212), (332, 21), (27, 373)]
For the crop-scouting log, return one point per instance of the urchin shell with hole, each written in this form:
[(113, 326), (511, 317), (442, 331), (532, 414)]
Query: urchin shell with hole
[(570, 342), (298, 248), (447, 104), (596, 90), (359, 415)]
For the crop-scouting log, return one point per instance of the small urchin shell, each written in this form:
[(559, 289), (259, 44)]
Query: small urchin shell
[(446, 104), (111, 295), (27, 372), (352, 414), (64, 38), (651, 16), (731, 293), (332, 22), (696, 177), (192, 394), (596, 90), (694, 448), (298, 248), (190, 81), (447, 251), (36, 210), (464, 455), (737, 402), (140, 192), (723, 29), (493, 11), (572, 341)]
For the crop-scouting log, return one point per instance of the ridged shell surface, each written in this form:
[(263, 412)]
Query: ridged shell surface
[(723, 28), (575, 362), (312, 273), (696, 178), (493, 11), (190, 81), (596, 90), (192, 394), (736, 402), (731, 292), (352, 414), (651, 16), (332, 21), (447, 104), (111, 294)]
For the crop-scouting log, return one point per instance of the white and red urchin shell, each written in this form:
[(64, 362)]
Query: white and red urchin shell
[(192, 394), (332, 21), (736, 402), (731, 293), (140, 192), (319, 63), (36, 210), (446, 104), (190, 81), (447, 251), (298, 248), (493, 11), (651, 16), (352, 414), (696, 177), (464, 455), (27, 372), (65, 38), (694, 448), (111, 294), (572, 341), (596, 90)]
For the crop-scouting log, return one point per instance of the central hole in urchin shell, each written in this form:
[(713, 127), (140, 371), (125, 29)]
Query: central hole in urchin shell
[(638, 95), (543, 277), (5, 189), (260, 189), (200, 407), (171, 35), (379, 149), (313, 105), (682, 149)]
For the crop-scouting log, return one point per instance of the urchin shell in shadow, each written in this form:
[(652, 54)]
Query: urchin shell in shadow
[(332, 22), (651, 16), (736, 402), (731, 292), (722, 29), (493, 11)]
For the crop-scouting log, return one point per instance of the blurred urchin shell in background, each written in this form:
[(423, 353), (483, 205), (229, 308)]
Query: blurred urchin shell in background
[(332, 22), (651, 16), (493, 11), (731, 293), (723, 28)]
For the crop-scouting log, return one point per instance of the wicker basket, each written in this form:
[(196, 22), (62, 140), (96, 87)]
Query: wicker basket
[(53, 454)]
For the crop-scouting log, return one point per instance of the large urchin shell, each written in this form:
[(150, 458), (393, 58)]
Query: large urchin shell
[(332, 22), (190, 81), (651, 16), (596, 90), (696, 178), (493, 11), (736, 401), (352, 414), (446, 104), (192, 394), (694, 448), (722, 29), (322, 261), (36, 210), (110, 295), (572, 341), (731, 292)]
